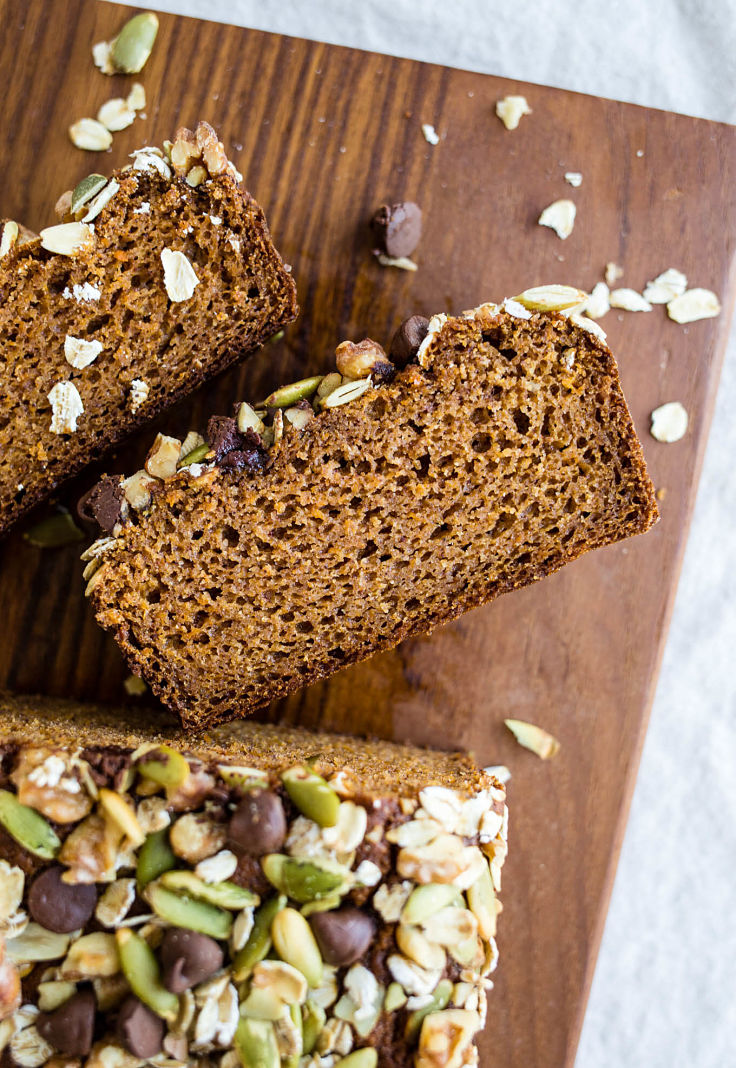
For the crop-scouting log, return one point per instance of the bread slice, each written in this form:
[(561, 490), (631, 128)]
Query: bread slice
[(161, 278), (502, 450), (216, 881)]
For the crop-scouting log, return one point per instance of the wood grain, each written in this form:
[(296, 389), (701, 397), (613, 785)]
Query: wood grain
[(324, 135)]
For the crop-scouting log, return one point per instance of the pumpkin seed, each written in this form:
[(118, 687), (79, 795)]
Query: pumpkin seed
[(296, 945), (440, 1000), (154, 858), (295, 1011), (141, 969), (359, 1058), (53, 532), (314, 1018), (323, 904), (35, 943), (122, 815), (301, 880), (295, 391), (90, 135), (348, 391), (259, 942), (232, 775), (182, 911), (86, 189), (226, 895), (312, 796), (28, 827), (164, 765), (550, 298), (395, 998), (133, 45), (425, 901), (263, 1004), (67, 238), (195, 456), (255, 1043), (482, 902)]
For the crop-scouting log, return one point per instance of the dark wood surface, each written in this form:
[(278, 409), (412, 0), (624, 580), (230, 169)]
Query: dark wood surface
[(323, 135)]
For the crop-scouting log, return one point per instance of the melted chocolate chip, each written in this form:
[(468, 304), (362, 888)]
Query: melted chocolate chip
[(59, 906), (188, 958), (407, 339), (70, 1028), (343, 935), (103, 504), (139, 1029), (258, 824), (397, 228), (234, 450)]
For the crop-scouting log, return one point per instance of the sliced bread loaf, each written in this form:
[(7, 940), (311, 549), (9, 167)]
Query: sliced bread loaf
[(484, 453), (157, 279), (248, 899)]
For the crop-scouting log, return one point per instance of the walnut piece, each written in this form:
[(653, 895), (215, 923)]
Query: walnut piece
[(46, 782)]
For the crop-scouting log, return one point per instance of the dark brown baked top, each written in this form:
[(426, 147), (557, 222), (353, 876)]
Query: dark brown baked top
[(163, 278), (239, 904), (500, 452)]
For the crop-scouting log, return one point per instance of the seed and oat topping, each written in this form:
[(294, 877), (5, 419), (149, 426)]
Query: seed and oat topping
[(157, 909), (243, 442)]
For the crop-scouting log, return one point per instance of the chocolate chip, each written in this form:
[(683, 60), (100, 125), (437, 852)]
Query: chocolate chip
[(397, 228), (407, 339), (58, 906), (243, 459), (258, 824), (188, 958), (103, 504), (139, 1029), (234, 449), (343, 935), (70, 1028)]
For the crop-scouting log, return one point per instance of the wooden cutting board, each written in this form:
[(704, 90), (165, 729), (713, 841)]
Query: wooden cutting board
[(324, 135)]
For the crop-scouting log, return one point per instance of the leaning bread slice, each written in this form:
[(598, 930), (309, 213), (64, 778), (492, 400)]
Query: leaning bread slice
[(470, 463), (261, 898), (156, 279)]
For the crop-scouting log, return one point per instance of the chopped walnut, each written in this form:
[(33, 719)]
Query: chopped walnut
[(9, 985), (46, 781), (91, 851)]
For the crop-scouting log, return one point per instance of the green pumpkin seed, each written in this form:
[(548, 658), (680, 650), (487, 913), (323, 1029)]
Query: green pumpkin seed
[(425, 901), (141, 969), (225, 895), (255, 1044), (296, 945), (395, 998), (312, 796), (165, 766), (133, 45), (86, 189), (360, 1058), (28, 827), (301, 880), (154, 858), (54, 531), (195, 456), (323, 904), (314, 1019), (440, 1000), (295, 1011), (295, 391), (483, 905), (233, 775), (182, 911), (259, 942)]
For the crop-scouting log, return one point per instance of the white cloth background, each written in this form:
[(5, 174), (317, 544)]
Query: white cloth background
[(664, 993)]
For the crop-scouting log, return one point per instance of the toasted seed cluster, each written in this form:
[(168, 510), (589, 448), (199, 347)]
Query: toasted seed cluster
[(156, 908), (153, 280)]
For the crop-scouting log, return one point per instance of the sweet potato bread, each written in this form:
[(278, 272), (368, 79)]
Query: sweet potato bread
[(155, 281), (261, 896), (482, 454)]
